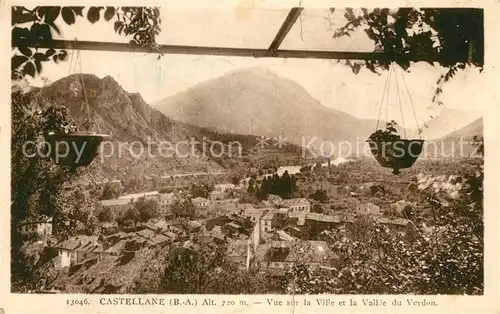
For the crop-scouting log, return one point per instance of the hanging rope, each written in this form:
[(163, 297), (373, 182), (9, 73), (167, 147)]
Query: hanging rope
[(400, 105), (383, 97), (412, 105), (78, 62), (388, 89), (70, 62)]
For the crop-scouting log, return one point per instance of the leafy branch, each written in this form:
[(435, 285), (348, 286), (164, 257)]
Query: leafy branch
[(450, 37), (141, 24)]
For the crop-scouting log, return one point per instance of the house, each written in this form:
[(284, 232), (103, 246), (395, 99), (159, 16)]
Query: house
[(194, 225), (166, 199), (244, 221), (297, 205), (217, 221), (136, 196), (231, 229), (296, 232), (41, 226), (296, 218), (116, 206), (367, 209), (281, 235), (282, 255), (239, 252), (274, 200), (227, 204), (201, 203), (255, 236), (353, 194), (398, 224), (316, 223), (216, 195), (266, 221), (223, 188), (75, 250), (254, 214), (109, 227)]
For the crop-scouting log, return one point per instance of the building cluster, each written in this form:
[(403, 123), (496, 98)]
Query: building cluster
[(81, 249), (220, 198), (272, 236), (285, 233)]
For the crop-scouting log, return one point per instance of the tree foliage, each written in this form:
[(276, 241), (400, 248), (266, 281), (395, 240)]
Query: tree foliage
[(205, 269), (319, 195), (110, 191), (283, 186), (452, 37), (147, 209), (183, 207), (444, 256), (202, 190), (32, 27)]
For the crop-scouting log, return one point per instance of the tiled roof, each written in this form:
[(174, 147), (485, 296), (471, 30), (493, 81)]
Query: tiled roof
[(237, 248), (36, 220), (323, 218), (397, 221), (295, 202), (225, 186), (80, 243), (310, 252), (234, 225), (270, 213), (285, 236), (115, 202), (139, 195), (167, 196), (254, 213), (295, 251), (109, 224), (199, 199)]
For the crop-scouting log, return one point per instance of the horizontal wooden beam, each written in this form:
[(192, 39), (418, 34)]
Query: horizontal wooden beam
[(220, 51), (287, 25)]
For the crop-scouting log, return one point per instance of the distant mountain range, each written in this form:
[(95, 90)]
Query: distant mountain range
[(239, 106), (450, 121), (128, 119), (259, 102), (467, 132), (460, 143)]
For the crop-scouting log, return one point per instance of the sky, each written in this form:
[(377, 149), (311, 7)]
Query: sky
[(332, 83)]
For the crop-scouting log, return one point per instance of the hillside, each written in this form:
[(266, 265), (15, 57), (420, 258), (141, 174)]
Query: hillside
[(472, 129), (129, 121), (460, 143), (448, 121), (257, 101)]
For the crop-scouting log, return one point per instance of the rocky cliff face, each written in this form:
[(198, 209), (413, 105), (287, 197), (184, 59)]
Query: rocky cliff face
[(129, 121)]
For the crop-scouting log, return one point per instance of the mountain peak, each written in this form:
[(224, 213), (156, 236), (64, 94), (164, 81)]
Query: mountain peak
[(255, 71), (257, 101)]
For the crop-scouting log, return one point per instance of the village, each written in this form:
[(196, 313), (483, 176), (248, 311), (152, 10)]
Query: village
[(271, 236)]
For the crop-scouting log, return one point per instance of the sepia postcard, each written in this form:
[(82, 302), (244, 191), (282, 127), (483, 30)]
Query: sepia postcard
[(250, 157)]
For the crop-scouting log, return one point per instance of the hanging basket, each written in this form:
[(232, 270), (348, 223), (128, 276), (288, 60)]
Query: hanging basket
[(397, 154), (77, 149)]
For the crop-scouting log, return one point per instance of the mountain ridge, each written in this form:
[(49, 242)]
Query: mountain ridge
[(258, 101), (128, 119)]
